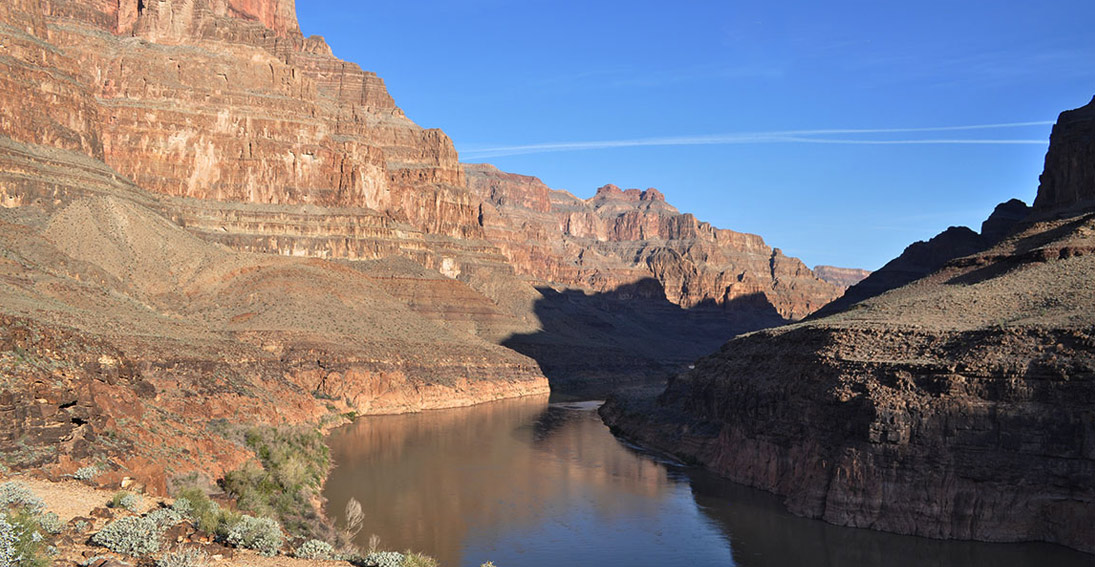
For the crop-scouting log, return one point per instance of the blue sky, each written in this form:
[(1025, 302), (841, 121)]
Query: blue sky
[(829, 128)]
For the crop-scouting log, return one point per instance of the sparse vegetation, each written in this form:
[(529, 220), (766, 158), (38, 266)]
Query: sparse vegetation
[(127, 500), (383, 559), (411, 559), (315, 549), (292, 463), (86, 473), (261, 534), (189, 557), (22, 541), (137, 536)]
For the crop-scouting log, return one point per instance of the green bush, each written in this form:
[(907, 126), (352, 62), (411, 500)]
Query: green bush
[(292, 464), (261, 534)]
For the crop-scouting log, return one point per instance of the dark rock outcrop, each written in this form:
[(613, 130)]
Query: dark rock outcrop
[(955, 406), (1068, 182)]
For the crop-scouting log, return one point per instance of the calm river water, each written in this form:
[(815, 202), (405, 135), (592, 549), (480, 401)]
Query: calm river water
[(525, 483)]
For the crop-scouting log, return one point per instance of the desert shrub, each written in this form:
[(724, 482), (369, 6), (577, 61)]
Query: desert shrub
[(182, 507), (127, 500), (164, 517), (137, 536), (292, 463), (51, 523), (189, 557), (23, 541), (315, 549), (16, 495), (418, 560), (383, 559), (261, 534), (8, 540), (86, 473), (205, 514)]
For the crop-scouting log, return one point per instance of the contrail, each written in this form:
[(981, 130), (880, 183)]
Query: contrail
[(781, 136)]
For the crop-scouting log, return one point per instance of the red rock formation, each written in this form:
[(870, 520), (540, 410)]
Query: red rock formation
[(618, 237), (844, 277)]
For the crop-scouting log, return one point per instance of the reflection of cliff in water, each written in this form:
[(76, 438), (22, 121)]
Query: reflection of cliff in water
[(764, 534), (427, 480)]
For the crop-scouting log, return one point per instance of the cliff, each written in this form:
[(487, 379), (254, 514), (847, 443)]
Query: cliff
[(620, 236), (956, 406), (250, 228)]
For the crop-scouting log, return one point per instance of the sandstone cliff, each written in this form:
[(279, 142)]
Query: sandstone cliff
[(617, 237), (957, 406), (249, 226)]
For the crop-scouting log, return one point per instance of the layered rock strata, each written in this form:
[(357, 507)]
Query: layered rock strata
[(619, 236), (957, 406)]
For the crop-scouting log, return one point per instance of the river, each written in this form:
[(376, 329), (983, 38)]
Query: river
[(526, 483)]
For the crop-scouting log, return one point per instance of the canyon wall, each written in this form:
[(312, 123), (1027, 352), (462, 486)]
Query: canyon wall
[(955, 406), (249, 228)]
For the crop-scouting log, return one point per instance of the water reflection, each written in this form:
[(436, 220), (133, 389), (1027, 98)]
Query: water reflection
[(524, 484)]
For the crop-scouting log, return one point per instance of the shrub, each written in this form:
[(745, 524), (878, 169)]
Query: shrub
[(315, 549), (8, 540), (384, 559), (292, 463), (15, 495), (133, 535), (21, 540), (205, 514), (261, 534), (86, 473), (164, 517), (189, 557), (51, 523), (127, 500), (182, 506), (418, 560)]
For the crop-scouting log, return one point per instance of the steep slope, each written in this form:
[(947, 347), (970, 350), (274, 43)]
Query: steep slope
[(957, 406), (126, 336)]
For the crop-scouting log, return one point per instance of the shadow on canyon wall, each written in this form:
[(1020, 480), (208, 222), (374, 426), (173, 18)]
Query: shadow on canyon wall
[(592, 344)]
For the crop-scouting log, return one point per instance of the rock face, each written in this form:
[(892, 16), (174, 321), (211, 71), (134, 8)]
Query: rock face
[(254, 230), (1068, 182), (844, 277), (957, 406), (618, 237)]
